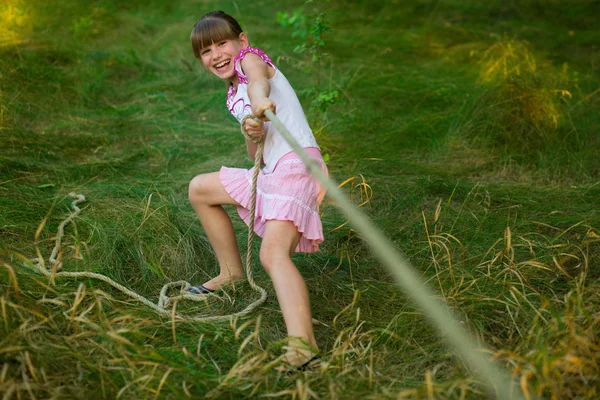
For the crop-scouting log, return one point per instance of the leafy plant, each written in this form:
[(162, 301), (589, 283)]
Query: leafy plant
[(310, 28)]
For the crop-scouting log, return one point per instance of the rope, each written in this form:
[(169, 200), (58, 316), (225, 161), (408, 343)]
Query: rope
[(164, 300), (500, 384), (260, 145)]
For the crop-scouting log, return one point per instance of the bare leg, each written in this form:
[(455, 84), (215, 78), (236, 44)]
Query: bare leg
[(207, 194), (279, 241)]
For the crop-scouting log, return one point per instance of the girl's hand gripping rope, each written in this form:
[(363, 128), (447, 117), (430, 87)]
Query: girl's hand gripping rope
[(260, 105), (253, 128)]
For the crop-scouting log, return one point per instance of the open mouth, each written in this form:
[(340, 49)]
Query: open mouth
[(222, 65)]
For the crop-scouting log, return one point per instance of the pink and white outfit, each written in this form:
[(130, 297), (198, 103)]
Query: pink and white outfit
[(285, 191)]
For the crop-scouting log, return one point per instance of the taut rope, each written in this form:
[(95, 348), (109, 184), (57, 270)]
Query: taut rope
[(499, 383), (164, 300)]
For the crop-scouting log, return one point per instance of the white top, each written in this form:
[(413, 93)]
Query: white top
[(289, 111)]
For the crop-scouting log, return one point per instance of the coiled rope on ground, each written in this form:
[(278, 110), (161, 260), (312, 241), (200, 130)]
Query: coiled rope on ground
[(166, 304)]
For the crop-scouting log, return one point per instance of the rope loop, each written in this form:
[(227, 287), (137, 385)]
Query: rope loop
[(54, 266), (165, 301)]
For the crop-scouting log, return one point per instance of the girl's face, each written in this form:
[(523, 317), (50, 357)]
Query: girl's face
[(219, 56)]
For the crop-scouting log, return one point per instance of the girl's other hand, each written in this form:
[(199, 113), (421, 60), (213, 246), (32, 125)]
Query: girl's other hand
[(259, 107), (254, 127)]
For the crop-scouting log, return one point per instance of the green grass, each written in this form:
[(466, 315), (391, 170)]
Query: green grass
[(499, 164)]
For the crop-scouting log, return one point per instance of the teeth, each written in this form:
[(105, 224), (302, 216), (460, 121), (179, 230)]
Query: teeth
[(220, 65)]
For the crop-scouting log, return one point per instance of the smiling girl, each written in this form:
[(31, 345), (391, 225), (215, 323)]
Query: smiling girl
[(288, 198)]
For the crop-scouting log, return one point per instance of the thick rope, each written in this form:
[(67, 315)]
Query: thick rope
[(260, 145), (164, 300), (500, 384)]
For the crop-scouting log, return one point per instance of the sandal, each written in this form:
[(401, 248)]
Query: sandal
[(289, 369), (203, 290), (200, 289), (309, 365)]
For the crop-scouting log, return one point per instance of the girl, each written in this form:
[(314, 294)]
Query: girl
[(288, 198)]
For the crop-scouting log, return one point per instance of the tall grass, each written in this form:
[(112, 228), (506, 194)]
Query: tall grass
[(454, 129), (61, 340)]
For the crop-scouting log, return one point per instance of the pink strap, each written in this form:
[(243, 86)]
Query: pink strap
[(237, 62)]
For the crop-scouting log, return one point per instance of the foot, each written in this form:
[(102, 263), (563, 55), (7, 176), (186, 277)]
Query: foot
[(220, 280), (301, 354), (298, 358), (296, 363)]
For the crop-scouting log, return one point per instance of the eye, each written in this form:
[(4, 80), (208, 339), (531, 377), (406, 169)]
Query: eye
[(204, 52), (221, 44)]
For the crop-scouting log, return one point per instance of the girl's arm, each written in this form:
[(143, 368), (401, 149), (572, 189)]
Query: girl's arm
[(251, 147), (259, 88), (258, 73), (254, 128)]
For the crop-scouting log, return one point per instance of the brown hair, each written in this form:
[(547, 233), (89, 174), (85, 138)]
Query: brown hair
[(211, 28)]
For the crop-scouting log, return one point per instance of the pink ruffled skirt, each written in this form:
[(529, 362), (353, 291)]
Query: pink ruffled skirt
[(289, 193)]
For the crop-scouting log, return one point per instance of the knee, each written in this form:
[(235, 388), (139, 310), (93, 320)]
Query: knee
[(197, 188), (271, 256)]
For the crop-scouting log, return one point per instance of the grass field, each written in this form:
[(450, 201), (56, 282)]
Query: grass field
[(468, 131)]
